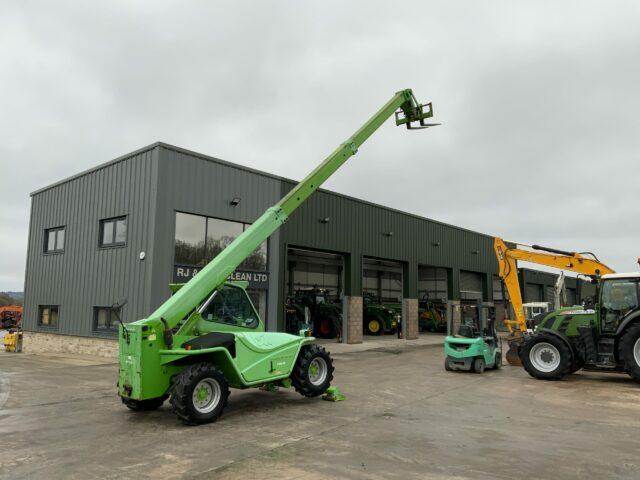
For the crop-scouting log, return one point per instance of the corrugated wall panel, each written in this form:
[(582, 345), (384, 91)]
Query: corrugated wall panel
[(85, 275)]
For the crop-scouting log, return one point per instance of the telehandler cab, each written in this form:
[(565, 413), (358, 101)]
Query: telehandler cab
[(208, 336)]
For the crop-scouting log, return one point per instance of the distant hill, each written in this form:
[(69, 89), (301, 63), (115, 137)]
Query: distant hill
[(11, 298)]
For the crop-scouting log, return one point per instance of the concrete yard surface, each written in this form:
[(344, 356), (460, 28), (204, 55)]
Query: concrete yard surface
[(404, 418)]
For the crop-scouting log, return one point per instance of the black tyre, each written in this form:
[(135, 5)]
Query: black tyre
[(199, 394), (497, 361), (373, 326), (447, 365), (546, 357), (144, 405), (577, 364), (478, 365), (313, 371), (630, 351)]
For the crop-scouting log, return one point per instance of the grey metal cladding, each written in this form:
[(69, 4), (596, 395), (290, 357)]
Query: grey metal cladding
[(85, 275), (198, 184), (364, 228)]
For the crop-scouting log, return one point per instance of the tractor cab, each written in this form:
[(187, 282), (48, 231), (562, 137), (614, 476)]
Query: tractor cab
[(472, 342), (618, 300)]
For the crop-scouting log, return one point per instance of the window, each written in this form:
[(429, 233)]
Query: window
[(48, 315), (105, 318), (54, 240), (199, 239), (230, 305), (619, 297), (113, 232)]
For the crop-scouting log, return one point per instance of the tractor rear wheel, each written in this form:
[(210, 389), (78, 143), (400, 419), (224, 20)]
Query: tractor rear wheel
[(199, 394), (545, 357), (313, 371), (144, 405), (374, 326), (630, 349)]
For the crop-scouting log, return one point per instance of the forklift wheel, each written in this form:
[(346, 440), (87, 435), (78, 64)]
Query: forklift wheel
[(447, 365), (497, 363), (478, 365), (144, 405), (199, 394), (313, 371)]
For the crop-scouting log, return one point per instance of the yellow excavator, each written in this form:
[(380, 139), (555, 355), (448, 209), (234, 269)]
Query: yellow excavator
[(508, 255)]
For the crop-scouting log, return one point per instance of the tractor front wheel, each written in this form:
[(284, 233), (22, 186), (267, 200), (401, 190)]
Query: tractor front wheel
[(313, 371), (630, 349), (199, 394), (144, 405), (545, 357), (374, 326)]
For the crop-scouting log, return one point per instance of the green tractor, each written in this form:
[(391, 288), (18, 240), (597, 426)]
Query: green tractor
[(472, 343), (208, 336), (430, 316), (380, 318), (325, 315), (602, 337)]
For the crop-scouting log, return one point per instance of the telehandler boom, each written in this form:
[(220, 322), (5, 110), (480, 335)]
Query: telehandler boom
[(208, 335), (508, 271)]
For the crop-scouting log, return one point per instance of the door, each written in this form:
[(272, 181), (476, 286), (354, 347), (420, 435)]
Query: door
[(619, 298)]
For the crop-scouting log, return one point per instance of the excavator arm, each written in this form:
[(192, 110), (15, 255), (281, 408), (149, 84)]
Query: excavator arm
[(507, 269)]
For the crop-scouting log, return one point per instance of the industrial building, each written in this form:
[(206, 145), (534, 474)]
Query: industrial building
[(106, 243)]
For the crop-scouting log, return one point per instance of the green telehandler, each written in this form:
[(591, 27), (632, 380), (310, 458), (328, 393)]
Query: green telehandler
[(208, 336)]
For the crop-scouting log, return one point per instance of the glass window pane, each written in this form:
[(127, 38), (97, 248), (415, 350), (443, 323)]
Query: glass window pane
[(231, 306), (121, 231), (107, 233), (257, 260), (53, 320), (220, 233), (102, 318), (60, 242), (51, 241), (44, 318), (190, 237)]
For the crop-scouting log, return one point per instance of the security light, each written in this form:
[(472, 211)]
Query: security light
[(325, 220), (234, 202), (389, 234), (436, 244)]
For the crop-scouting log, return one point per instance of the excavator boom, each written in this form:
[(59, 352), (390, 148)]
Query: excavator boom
[(507, 268)]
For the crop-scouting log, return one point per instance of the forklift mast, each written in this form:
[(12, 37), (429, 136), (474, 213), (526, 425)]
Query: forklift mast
[(407, 111)]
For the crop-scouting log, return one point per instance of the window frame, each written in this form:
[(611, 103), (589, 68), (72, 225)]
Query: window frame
[(41, 308), (113, 220), (55, 230), (113, 327)]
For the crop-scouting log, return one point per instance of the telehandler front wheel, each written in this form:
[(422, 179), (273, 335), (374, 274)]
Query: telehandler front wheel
[(545, 357), (199, 394), (313, 371)]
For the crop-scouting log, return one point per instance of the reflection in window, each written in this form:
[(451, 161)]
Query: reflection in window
[(200, 239), (190, 236), (48, 315), (113, 232)]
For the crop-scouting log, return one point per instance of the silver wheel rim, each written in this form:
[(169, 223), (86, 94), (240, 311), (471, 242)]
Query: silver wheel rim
[(544, 357), (318, 371), (206, 395), (636, 352)]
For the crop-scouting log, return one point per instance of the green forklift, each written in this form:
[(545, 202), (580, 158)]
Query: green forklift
[(472, 343)]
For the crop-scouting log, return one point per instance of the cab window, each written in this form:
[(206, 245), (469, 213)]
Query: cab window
[(619, 297), (230, 306)]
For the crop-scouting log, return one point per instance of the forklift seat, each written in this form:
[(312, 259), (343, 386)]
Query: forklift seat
[(211, 340)]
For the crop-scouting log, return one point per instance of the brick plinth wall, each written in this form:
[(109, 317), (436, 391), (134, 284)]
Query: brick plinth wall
[(411, 313), (39, 342), (354, 319)]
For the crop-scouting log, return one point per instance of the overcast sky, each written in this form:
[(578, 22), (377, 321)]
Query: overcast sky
[(540, 105)]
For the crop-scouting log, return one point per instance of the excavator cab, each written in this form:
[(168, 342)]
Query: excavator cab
[(472, 343)]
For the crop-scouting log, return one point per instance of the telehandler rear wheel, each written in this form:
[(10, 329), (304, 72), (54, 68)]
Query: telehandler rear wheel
[(545, 357), (144, 405), (313, 371), (199, 394)]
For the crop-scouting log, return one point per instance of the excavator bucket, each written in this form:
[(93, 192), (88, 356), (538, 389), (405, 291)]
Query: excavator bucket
[(513, 353)]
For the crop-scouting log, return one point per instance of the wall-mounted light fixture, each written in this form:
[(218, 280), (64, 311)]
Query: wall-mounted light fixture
[(475, 252), (435, 244), (388, 234), (235, 201), (325, 220)]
